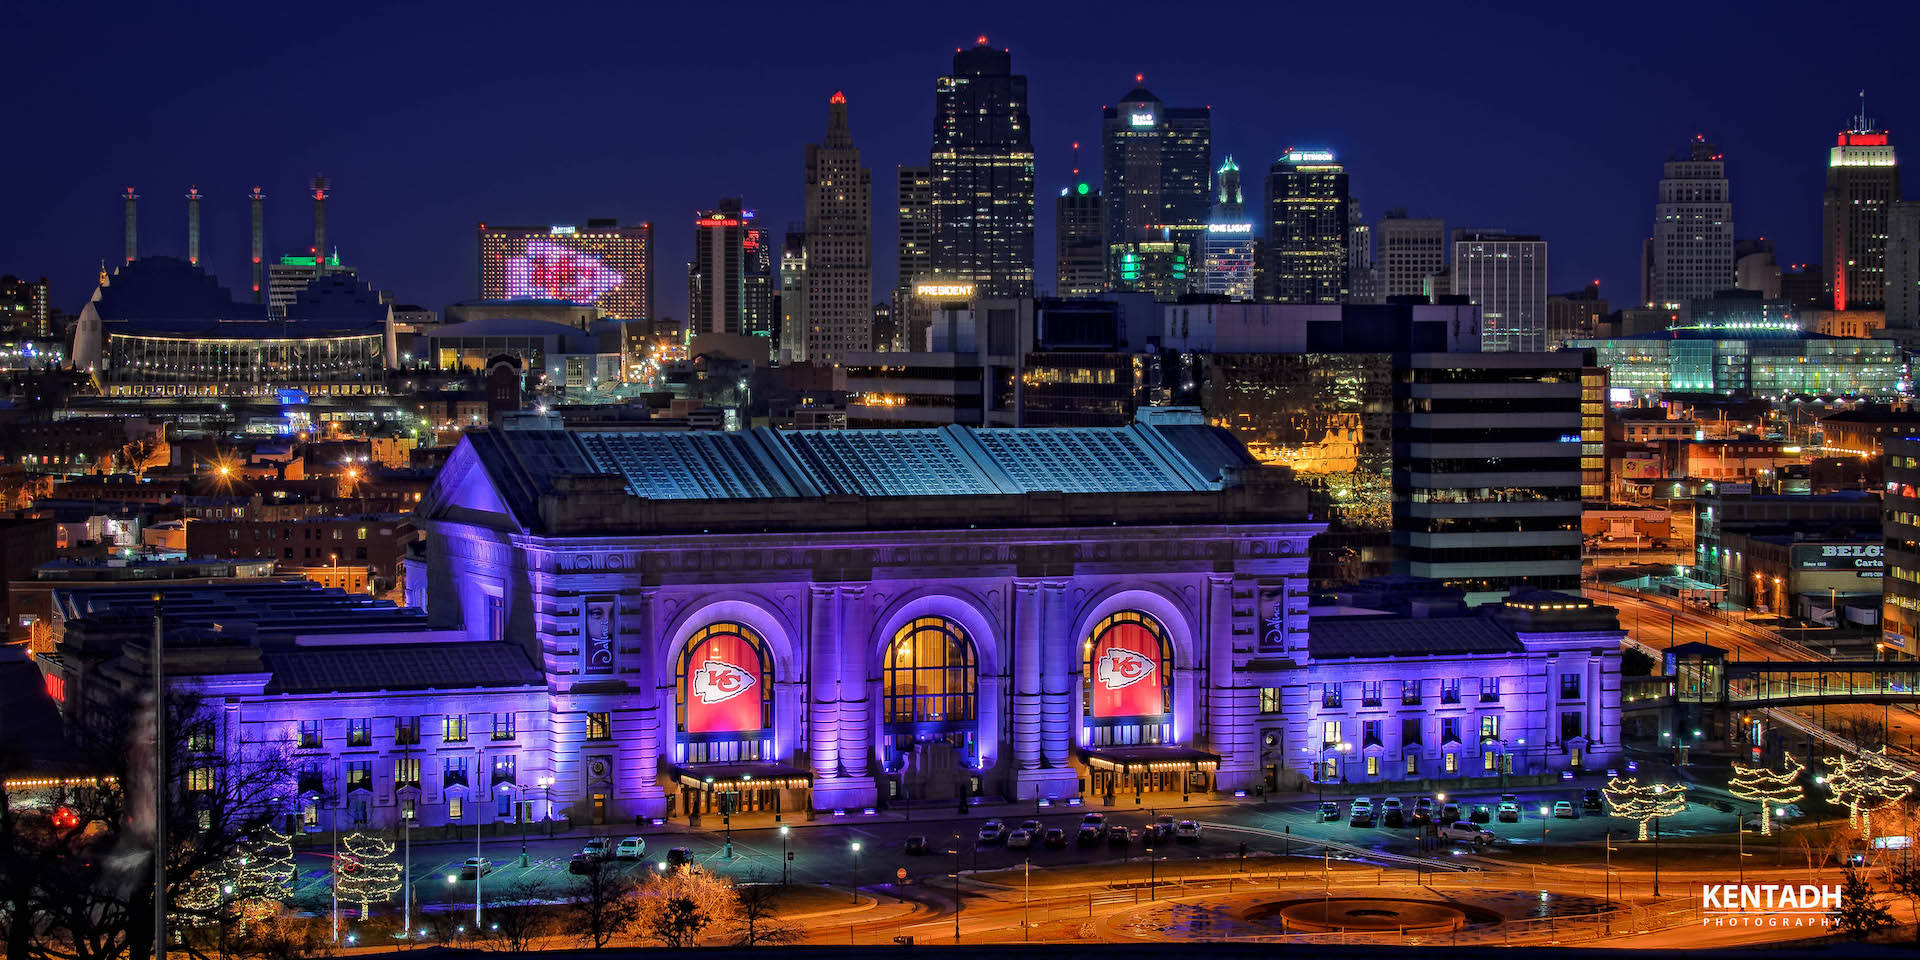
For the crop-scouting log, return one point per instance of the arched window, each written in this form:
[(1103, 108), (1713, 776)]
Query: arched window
[(930, 676), (1127, 681), (724, 701)]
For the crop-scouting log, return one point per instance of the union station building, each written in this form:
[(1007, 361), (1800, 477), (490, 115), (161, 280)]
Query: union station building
[(610, 625)]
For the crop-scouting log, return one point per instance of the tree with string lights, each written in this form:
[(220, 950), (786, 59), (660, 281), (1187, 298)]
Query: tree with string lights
[(367, 871), (1866, 782), (1767, 788), (1644, 802)]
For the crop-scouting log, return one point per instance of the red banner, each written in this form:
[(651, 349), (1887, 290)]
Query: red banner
[(723, 685), (1126, 673)]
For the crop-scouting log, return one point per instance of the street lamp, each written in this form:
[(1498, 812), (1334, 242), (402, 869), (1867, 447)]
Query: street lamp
[(856, 871), (786, 857), (1544, 813), (1151, 862), (546, 783)]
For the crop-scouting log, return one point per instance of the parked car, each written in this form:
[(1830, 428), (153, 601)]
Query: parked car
[(1423, 810), (917, 846), (1467, 832), (1020, 839), (1031, 826), (1359, 816), (596, 848), (679, 857), (476, 867), (1186, 830), (1054, 839), (1509, 812), (632, 848), (1392, 813), (1563, 810), (993, 831), (1098, 821), (1449, 812), (1088, 835), (581, 863), (1481, 814), (1590, 799), (1119, 836), (1163, 826), (1329, 811)]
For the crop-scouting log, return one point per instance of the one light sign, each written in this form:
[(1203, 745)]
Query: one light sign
[(943, 290)]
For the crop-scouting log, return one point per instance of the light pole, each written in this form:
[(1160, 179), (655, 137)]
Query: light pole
[(1151, 863), (546, 783), (1544, 812), (786, 857), (856, 871), (956, 888), (1026, 911)]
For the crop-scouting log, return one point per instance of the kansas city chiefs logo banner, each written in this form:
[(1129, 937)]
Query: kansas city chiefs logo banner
[(1126, 673), (718, 681), (1122, 668), (723, 680)]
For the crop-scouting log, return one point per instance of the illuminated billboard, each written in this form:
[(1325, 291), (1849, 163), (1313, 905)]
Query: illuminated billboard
[(1126, 671), (724, 683), (601, 264), (958, 291)]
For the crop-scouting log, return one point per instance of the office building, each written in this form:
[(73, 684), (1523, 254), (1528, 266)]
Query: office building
[(1487, 470), (1755, 269), (1576, 315), (1903, 270), (1900, 596), (598, 262), (1080, 245), (793, 297), (1364, 283), (1692, 252), (1506, 274), (838, 284), (730, 280), (1162, 267), (982, 171), (1413, 250), (1304, 256), (1155, 163), (913, 195), (26, 308), (1227, 252), (1863, 183), (1748, 358)]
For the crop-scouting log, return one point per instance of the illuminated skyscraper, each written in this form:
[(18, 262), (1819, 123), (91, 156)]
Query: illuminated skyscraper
[(793, 297), (1863, 182), (839, 244), (1080, 245), (1154, 163), (730, 281), (1304, 257), (1506, 274), (1692, 251), (1413, 250), (982, 169), (1227, 251), (1903, 268), (1363, 276), (599, 262), (913, 193)]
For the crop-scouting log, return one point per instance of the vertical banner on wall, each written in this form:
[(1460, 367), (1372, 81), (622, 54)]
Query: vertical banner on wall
[(723, 685), (1126, 673), (598, 633)]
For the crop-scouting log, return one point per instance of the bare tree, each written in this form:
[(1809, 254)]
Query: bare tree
[(755, 915), (605, 903), (517, 920), (677, 921)]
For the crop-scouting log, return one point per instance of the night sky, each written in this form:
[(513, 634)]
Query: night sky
[(429, 118)]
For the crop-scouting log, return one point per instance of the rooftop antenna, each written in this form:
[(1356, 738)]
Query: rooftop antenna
[(319, 220), (1076, 158), (1862, 123), (193, 225), (133, 225)]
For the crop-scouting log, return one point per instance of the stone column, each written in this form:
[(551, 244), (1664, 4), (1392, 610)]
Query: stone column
[(823, 675), (654, 736), (1025, 728), (856, 713), (1229, 729), (1060, 676)]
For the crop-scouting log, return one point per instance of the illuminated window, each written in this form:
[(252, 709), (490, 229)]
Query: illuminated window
[(200, 779), (406, 771), (1270, 700), (453, 729), (1373, 766), (599, 726), (1490, 727), (1413, 764), (1451, 763), (359, 733), (456, 807), (930, 674), (1489, 762), (724, 696), (1331, 737)]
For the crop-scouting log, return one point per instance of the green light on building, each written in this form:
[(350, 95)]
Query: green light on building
[(1081, 189)]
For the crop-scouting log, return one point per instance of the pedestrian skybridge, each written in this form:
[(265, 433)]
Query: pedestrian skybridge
[(1698, 673)]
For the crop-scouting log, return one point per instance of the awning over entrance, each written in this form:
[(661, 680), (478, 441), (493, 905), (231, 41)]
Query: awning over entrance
[(1149, 759), (769, 776)]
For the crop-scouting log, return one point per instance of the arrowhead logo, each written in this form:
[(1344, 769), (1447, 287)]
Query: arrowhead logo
[(718, 681), (1119, 668)]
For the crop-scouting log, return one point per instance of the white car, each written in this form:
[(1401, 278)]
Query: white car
[(1186, 830), (476, 867), (1020, 839), (1563, 810), (1509, 812), (632, 848), (1467, 832), (993, 831)]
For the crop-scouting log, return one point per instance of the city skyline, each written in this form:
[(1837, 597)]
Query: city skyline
[(1427, 161)]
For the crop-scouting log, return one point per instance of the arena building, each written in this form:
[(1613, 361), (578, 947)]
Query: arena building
[(610, 625)]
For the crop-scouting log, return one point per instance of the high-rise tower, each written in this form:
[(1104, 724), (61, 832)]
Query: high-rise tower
[(982, 169), (839, 244), (193, 225), (1863, 182), (1154, 165), (1079, 238), (1227, 259), (320, 217), (1692, 251), (133, 225), (1413, 251), (1304, 258), (255, 202), (1506, 274)]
